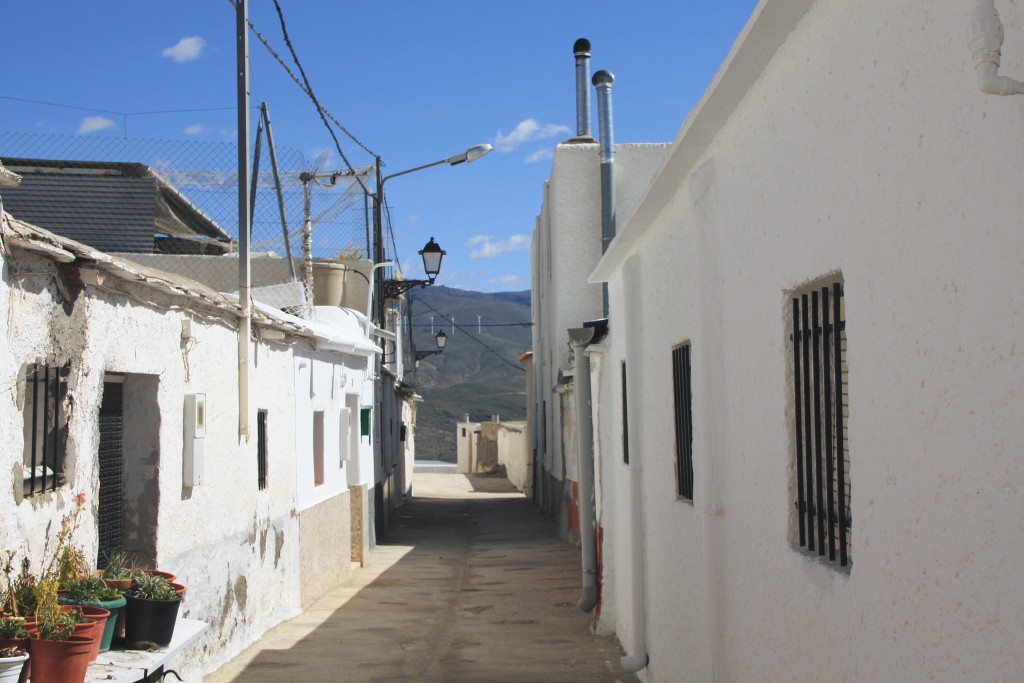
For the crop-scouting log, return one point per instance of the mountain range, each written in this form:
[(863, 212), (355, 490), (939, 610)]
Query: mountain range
[(478, 374)]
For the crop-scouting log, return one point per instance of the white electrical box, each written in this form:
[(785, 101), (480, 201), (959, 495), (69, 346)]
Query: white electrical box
[(195, 437)]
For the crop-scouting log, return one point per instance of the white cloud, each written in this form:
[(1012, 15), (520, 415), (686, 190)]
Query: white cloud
[(194, 129), (91, 124), (485, 246), (540, 155), (186, 49), (506, 281), (528, 130)]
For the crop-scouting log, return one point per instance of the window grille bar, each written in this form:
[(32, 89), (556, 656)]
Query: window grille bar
[(801, 504), (808, 443), (261, 449), (837, 357), (625, 418), (46, 420), (677, 405), (829, 448), (688, 415), (33, 378), (819, 483), (58, 432)]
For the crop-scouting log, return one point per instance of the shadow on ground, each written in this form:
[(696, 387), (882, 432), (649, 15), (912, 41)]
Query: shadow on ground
[(471, 584)]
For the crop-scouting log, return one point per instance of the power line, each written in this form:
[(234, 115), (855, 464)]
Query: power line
[(319, 108), (470, 335)]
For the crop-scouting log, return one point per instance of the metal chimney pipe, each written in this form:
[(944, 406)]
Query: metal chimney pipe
[(581, 49), (603, 81)]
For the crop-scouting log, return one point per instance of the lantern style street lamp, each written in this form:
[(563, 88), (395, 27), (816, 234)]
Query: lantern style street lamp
[(432, 253), (441, 338)]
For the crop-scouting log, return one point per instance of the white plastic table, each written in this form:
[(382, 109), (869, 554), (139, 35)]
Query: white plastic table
[(130, 666)]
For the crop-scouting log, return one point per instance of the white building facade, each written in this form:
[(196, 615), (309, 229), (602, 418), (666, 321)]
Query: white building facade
[(847, 155), (130, 350)]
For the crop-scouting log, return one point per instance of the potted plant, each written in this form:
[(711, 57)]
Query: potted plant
[(152, 611), (118, 570), (99, 602), (59, 656), (13, 663)]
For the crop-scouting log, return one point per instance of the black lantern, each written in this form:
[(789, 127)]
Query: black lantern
[(432, 255)]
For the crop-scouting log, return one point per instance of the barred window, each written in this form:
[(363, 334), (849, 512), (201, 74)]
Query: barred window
[(684, 420), (45, 426), (821, 419)]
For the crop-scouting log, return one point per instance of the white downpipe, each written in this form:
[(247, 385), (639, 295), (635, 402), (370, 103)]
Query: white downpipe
[(580, 337), (369, 294), (986, 42), (636, 646)]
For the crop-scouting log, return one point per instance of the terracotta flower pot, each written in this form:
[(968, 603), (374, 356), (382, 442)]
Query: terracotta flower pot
[(60, 661), (159, 572)]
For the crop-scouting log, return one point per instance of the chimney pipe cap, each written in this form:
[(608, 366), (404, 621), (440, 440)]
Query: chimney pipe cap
[(603, 78), (581, 48)]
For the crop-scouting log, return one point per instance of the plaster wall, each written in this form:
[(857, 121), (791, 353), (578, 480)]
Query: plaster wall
[(513, 453), (325, 553), (889, 168), (253, 544), (465, 441), (566, 246), (327, 385)]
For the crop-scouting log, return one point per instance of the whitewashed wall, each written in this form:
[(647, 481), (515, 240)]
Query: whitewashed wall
[(864, 148)]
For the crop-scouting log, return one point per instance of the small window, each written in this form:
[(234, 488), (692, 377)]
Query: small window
[(344, 427), (364, 421), (821, 449), (684, 420), (318, 448), (45, 426), (261, 449)]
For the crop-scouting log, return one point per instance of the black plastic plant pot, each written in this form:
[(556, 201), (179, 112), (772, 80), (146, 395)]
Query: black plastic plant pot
[(150, 621)]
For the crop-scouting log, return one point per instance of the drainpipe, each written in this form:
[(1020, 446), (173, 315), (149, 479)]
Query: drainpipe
[(603, 81), (580, 338), (581, 49), (986, 49)]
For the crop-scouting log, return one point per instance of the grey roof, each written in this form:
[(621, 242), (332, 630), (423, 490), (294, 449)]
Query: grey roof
[(111, 206)]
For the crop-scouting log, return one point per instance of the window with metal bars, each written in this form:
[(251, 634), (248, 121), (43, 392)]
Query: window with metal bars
[(45, 427), (821, 423), (261, 449), (684, 420)]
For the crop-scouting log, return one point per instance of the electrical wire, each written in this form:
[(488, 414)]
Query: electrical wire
[(319, 107), (470, 335)]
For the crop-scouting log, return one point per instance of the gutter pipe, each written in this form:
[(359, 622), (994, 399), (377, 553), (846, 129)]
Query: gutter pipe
[(579, 339), (986, 44), (603, 81)]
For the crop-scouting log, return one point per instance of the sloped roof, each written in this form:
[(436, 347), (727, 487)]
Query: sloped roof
[(111, 206)]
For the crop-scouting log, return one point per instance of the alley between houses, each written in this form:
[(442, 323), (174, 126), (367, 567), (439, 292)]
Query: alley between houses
[(471, 584)]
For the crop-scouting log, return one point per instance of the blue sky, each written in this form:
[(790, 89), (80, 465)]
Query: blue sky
[(414, 81)]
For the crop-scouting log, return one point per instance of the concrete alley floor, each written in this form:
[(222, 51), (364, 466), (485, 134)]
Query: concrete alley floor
[(471, 584)]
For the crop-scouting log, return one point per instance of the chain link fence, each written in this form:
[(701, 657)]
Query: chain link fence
[(173, 205)]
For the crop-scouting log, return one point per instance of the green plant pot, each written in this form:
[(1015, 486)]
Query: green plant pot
[(115, 607)]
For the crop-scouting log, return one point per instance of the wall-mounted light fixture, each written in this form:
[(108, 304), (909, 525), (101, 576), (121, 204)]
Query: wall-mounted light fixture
[(432, 254), (441, 338)]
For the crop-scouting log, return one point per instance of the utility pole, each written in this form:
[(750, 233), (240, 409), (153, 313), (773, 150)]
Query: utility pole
[(244, 216)]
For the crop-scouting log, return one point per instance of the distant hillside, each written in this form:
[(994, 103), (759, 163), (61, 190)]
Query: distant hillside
[(479, 372)]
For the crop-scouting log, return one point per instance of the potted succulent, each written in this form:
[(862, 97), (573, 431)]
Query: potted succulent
[(118, 570), (152, 611), (97, 601), (13, 664)]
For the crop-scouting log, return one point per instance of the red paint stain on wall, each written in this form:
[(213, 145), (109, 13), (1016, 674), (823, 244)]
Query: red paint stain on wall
[(571, 500)]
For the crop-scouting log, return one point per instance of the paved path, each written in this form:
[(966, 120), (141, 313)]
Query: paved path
[(471, 584)]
